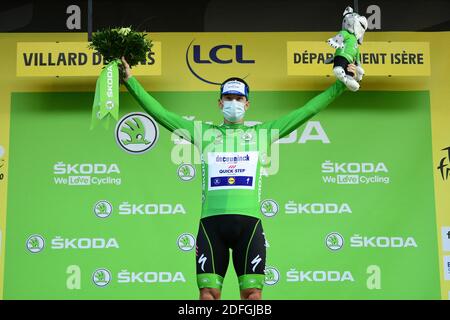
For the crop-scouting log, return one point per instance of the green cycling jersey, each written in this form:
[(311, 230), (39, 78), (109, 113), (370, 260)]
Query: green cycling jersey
[(233, 155), (350, 51)]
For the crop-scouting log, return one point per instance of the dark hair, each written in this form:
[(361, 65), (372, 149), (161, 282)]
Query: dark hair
[(236, 79)]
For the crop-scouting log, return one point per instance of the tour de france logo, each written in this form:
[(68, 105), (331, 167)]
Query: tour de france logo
[(136, 133), (101, 277), (103, 209), (35, 243), (444, 165), (334, 241), (269, 208)]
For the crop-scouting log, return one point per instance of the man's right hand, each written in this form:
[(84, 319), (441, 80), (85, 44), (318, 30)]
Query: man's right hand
[(127, 69)]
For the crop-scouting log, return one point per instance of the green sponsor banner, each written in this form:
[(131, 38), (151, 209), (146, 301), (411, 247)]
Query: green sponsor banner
[(91, 216)]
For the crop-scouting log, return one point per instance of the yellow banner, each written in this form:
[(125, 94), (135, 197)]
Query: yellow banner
[(378, 58), (50, 59), (268, 70)]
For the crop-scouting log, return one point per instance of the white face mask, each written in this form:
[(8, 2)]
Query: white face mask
[(233, 110)]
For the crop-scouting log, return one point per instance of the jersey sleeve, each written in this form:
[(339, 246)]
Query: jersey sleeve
[(288, 123), (167, 119)]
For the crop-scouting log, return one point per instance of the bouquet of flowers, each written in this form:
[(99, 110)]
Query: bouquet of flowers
[(112, 44)]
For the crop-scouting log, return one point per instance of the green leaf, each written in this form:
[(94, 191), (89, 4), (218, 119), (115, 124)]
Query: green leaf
[(112, 45)]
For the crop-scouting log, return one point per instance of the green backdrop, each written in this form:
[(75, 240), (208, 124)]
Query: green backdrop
[(387, 227)]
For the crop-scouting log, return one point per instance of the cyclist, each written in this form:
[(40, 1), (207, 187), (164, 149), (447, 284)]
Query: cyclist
[(231, 164)]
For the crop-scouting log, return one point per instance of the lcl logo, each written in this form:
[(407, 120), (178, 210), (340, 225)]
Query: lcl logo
[(220, 54)]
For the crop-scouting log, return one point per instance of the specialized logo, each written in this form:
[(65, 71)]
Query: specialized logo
[(255, 262), (269, 208), (334, 241), (445, 231), (136, 133), (103, 209), (444, 165), (35, 243), (186, 242), (202, 261), (186, 172), (272, 276), (101, 277), (222, 54), (355, 173)]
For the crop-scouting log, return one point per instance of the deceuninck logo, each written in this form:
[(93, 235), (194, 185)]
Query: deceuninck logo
[(271, 276), (35, 243), (186, 172), (186, 242), (101, 277), (136, 133), (103, 209), (269, 208), (334, 241)]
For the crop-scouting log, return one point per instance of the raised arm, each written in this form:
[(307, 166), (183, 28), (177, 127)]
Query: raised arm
[(169, 120), (288, 123)]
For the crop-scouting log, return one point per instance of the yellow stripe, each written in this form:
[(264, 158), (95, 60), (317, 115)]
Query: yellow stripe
[(440, 115), (4, 146)]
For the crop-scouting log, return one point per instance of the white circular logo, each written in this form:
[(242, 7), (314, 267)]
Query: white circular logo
[(269, 207), (186, 242), (35, 243), (103, 209), (101, 277), (271, 276), (334, 241), (136, 133), (247, 136), (2, 151), (109, 104), (186, 172)]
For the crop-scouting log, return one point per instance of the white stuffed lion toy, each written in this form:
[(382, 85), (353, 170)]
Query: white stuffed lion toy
[(346, 43)]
